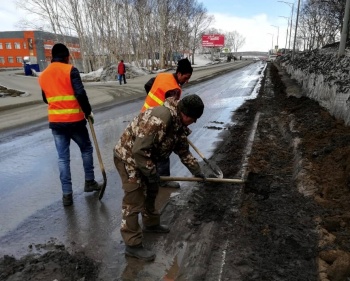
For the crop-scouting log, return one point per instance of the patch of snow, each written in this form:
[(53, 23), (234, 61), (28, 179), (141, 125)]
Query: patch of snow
[(92, 75), (202, 60), (26, 94), (109, 73)]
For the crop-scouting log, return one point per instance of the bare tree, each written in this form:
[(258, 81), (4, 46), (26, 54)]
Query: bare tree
[(138, 30), (234, 40), (320, 22), (199, 22)]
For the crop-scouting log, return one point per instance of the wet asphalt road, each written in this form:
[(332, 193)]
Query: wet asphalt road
[(30, 201)]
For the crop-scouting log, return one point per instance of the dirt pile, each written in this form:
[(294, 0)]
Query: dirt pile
[(53, 265), (293, 221), (5, 92)]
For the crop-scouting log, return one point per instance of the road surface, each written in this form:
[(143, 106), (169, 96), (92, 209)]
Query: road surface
[(30, 202)]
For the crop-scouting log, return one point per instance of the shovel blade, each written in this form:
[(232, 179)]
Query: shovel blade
[(211, 170), (103, 188)]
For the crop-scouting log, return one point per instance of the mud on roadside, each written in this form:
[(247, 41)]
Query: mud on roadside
[(5, 92), (292, 221)]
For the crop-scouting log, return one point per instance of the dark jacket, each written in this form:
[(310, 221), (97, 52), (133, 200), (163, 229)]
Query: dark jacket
[(149, 84)]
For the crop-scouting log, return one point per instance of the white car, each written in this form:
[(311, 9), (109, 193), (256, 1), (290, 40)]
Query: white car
[(271, 58)]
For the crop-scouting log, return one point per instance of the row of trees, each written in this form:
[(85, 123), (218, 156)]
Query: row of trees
[(142, 31), (320, 23)]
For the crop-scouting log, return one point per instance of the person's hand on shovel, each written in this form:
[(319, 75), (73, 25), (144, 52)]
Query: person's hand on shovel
[(91, 117), (201, 175)]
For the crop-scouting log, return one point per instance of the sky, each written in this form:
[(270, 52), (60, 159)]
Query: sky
[(261, 22)]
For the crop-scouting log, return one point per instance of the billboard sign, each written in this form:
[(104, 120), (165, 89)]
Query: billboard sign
[(213, 40)]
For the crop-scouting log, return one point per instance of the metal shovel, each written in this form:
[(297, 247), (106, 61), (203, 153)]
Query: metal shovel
[(215, 169), (99, 159)]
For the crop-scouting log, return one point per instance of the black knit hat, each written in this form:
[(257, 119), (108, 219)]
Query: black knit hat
[(59, 50), (192, 106), (184, 66)]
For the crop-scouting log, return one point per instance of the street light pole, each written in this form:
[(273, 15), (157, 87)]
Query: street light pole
[(296, 28), (272, 40), (278, 32), (344, 31), (291, 20), (287, 30)]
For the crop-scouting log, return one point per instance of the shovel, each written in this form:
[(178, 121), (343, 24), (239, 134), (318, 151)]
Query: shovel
[(99, 160), (216, 170)]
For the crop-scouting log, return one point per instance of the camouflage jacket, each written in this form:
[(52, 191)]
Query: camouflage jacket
[(152, 136)]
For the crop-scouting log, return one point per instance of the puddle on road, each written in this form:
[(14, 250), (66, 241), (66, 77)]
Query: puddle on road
[(174, 269)]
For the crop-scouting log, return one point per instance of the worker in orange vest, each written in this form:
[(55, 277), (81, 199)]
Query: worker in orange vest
[(68, 106), (163, 86)]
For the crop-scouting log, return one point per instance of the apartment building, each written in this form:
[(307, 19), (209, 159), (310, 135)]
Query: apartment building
[(19, 47)]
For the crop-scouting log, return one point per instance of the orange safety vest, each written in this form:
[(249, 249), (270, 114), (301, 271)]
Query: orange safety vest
[(156, 96), (56, 83)]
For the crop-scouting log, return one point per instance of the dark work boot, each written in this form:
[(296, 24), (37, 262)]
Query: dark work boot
[(140, 252), (67, 199), (92, 185), (159, 228)]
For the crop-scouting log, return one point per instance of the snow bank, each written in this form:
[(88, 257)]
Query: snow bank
[(109, 73)]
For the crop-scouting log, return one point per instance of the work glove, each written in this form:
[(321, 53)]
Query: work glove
[(91, 117), (201, 175)]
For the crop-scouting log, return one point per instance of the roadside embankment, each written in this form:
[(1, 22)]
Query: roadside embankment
[(324, 77)]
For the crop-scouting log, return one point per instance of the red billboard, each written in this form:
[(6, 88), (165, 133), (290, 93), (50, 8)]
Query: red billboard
[(213, 40)]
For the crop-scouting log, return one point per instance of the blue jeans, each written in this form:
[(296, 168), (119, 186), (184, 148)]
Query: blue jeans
[(121, 77), (62, 139)]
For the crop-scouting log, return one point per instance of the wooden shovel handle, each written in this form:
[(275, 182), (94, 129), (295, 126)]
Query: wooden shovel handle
[(200, 179), (102, 191), (196, 149)]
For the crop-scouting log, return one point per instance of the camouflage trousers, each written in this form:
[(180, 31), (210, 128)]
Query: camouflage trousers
[(135, 202)]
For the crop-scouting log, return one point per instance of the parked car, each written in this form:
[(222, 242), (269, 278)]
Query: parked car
[(271, 58)]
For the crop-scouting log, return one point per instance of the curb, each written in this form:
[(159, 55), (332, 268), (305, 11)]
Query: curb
[(18, 105)]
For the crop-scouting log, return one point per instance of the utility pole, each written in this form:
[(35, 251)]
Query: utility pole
[(344, 32), (296, 29)]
